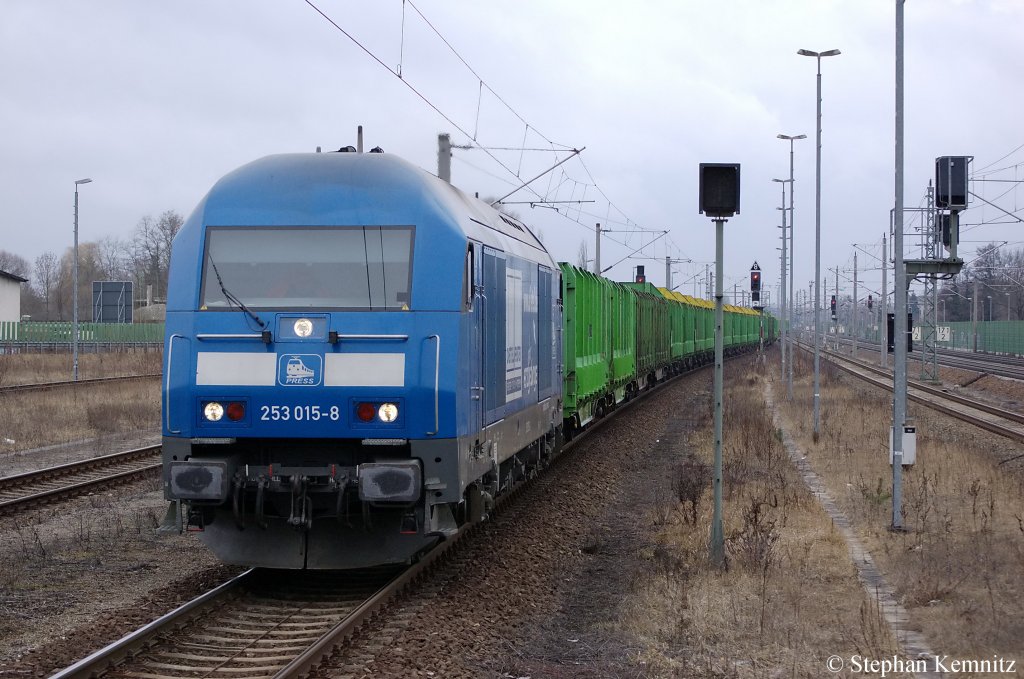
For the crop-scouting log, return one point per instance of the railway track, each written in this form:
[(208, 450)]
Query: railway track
[(43, 386), (991, 418), (280, 624), (992, 364), (52, 484)]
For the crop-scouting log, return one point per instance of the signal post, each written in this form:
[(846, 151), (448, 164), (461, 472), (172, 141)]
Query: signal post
[(719, 191)]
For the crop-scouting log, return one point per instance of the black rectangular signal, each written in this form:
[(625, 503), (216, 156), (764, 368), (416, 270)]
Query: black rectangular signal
[(951, 182), (889, 331), (719, 189)]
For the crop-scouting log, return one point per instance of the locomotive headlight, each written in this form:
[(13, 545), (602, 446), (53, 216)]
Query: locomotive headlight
[(388, 412), (213, 411), (303, 327)]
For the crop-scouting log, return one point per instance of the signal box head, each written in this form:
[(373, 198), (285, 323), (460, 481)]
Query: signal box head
[(719, 189), (951, 182), (755, 281)]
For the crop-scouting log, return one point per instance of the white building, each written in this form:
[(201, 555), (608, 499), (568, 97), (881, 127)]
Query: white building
[(10, 296)]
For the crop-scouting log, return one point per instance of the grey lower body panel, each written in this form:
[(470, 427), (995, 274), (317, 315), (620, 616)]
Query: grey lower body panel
[(329, 544)]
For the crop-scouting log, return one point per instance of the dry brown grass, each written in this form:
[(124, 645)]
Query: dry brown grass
[(40, 418), (789, 597), (31, 368), (66, 566), (959, 569)]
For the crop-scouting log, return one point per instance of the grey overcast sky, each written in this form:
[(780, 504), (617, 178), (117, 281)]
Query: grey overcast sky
[(156, 101)]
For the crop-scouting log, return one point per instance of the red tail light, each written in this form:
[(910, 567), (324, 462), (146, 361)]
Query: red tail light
[(236, 411), (366, 412)]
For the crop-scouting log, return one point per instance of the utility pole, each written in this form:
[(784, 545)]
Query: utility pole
[(782, 310), (974, 317), (784, 265), (668, 273), (883, 310), (717, 531), (928, 320), (444, 157), (837, 309), (901, 283), (597, 250), (856, 309)]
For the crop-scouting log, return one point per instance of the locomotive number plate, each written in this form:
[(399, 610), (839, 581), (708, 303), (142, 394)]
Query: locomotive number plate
[(299, 413)]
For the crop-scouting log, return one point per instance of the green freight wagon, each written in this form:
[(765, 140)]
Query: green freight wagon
[(681, 320), (599, 344), (653, 333), (587, 316), (705, 325), (623, 340)]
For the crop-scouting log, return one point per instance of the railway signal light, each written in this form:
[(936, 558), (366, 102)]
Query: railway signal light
[(871, 303), (889, 323), (640, 276), (833, 307), (951, 182), (719, 189), (755, 281)]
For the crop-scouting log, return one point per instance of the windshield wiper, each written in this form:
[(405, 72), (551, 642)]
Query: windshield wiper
[(238, 303)]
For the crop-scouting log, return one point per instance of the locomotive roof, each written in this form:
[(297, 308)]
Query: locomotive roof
[(353, 188)]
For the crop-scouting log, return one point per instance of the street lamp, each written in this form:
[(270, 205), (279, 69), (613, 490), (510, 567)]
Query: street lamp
[(989, 298), (74, 291), (785, 265), (817, 244), (791, 139)]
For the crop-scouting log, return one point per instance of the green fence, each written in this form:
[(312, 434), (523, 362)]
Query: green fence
[(995, 337), (58, 332)]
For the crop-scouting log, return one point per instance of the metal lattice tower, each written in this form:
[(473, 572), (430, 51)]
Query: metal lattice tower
[(929, 300)]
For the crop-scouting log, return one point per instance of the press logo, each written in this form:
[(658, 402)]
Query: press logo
[(300, 370)]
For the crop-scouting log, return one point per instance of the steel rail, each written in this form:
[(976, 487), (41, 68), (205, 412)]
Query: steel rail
[(1004, 365), (942, 393), (842, 362), (72, 469), (111, 655), (42, 386)]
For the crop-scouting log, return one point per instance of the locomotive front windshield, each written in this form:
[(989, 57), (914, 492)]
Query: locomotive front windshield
[(350, 267)]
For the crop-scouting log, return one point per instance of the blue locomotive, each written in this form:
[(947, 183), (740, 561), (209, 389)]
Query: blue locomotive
[(358, 357)]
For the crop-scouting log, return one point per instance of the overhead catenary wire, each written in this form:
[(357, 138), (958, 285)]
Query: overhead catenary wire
[(489, 150)]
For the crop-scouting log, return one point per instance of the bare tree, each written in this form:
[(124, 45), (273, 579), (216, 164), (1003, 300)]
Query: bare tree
[(45, 279), (112, 259), (581, 255), (15, 264), (151, 249)]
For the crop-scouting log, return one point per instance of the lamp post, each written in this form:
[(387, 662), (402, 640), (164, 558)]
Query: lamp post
[(785, 265), (989, 297), (791, 139), (74, 291), (1007, 306), (817, 245)]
